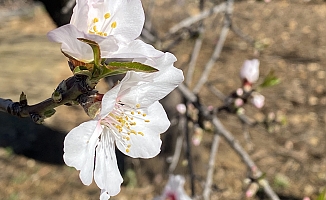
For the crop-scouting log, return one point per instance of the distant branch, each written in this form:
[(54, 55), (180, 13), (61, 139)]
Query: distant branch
[(193, 19), (218, 48)]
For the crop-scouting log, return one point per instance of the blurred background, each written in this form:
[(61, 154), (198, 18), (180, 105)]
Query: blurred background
[(293, 155)]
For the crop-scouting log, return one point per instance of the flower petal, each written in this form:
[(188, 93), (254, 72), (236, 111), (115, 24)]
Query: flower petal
[(79, 149), (135, 49), (80, 15), (104, 195), (67, 35), (108, 101), (129, 17), (106, 173), (147, 144)]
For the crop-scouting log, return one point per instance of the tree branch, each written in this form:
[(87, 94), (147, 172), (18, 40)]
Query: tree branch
[(211, 166), (74, 87), (193, 19), (218, 48)]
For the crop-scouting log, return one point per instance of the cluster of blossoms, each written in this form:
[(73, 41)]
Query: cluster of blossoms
[(174, 189), (249, 75), (130, 118)]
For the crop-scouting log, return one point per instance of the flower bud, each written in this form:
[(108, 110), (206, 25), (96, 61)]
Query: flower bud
[(258, 100), (250, 70)]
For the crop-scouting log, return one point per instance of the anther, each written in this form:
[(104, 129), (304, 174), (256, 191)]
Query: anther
[(146, 120), (137, 105), (114, 24), (107, 15), (95, 20)]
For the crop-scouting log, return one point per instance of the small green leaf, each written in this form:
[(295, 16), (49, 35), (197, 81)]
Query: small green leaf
[(115, 68), (128, 66), (270, 80), (49, 113), (82, 70), (95, 48), (322, 195)]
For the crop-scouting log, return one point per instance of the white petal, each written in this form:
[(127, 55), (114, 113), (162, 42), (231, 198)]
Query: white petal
[(104, 195), (136, 49), (108, 101), (106, 174), (250, 70), (67, 35), (128, 16), (80, 15), (79, 149), (147, 145)]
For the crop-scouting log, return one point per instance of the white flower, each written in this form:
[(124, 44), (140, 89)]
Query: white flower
[(130, 118), (122, 18), (174, 189), (113, 24), (250, 70), (257, 100)]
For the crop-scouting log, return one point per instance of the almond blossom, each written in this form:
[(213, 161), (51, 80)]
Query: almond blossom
[(130, 118), (250, 71), (174, 189), (113, 24)]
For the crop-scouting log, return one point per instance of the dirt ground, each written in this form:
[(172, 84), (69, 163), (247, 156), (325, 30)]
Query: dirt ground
[(293, 156)]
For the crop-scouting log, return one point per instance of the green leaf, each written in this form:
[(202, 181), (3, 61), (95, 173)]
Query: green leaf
[(129, 66), (114, 68), (270, 80), (82, 70), (49, 113), (322, 195), (95, 48)]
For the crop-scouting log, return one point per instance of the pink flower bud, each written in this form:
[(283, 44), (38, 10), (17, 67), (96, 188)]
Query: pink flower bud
[(181, 108), (258, 100), (250, 70)]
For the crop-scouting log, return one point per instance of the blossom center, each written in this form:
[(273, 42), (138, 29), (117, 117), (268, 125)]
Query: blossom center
[(122, 122), (102, 26)]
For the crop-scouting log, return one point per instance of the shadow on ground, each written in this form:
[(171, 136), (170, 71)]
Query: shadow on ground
[(29, 139)]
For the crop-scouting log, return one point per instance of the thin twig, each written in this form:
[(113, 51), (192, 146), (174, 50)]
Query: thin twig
[(197, 47), (238, 32), (189, 159), (245, 158), (216, 92), (193, 19), (234, 145), (211, 165), (178, 146), (218, 48), (68, 6)]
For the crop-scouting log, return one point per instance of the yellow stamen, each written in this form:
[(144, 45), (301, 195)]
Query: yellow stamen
[(137, 105), (107, 15), (114, 24), (95, 20), (146, 120), (144, 115), (127, 150)]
